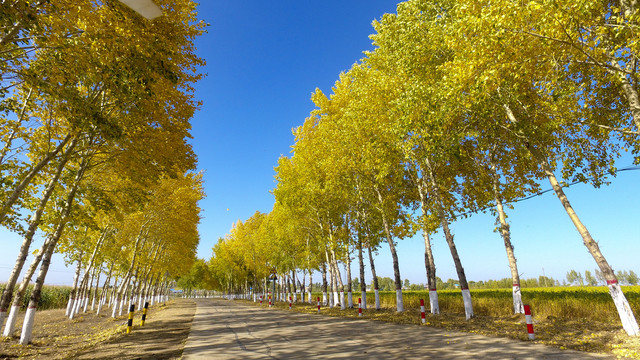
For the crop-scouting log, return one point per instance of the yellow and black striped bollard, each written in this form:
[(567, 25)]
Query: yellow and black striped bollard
[(130, 321), (144, 313)]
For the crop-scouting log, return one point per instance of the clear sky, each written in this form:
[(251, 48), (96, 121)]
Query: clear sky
[(264, 59)]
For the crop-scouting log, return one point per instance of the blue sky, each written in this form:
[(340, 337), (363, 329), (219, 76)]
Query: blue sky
[(264, 59)]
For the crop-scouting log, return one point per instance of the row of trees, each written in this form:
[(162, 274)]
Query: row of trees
[(625, 277), (95, 107), (463, 106)]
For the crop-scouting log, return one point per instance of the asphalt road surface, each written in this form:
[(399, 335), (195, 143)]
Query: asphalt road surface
[(223, 329)]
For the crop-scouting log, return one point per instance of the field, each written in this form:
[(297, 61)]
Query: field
[(568, 303), (52, 297)]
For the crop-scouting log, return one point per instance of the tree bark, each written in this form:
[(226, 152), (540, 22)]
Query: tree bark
[(310, 286), (464, 286), (34, 222), (324, 284), (87, 270), (629, 91), (394, 256), (375, 277), (429, 262), (19, 295), (627, 318), (518, 306), (125, 279), (363, 284), (27, 327), (348, 270)]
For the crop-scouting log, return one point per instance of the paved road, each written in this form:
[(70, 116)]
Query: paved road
[(224, 329)]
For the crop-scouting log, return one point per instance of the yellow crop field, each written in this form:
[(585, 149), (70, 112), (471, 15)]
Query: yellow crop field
[(589, 302)]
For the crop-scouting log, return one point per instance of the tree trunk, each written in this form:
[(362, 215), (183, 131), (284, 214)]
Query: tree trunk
[(103, 294), (629, 91), (518, 307), (19, 295), (429, 263), (74, 288), (394, 256), (34, 222), (464, 286), (348, 270), (27, 326), (125, 280), (338, 290), (375, 277), (310, 286), (324, 284), (94, 295), (87, 271), (363, 284), (627, 318)]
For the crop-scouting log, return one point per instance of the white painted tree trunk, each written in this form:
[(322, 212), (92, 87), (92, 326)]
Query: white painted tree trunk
[(363, 296), (324, 298), (27, 326), (115, 308), (468, 307), (399, 302), (433, 302), (122, 305), (629, 323), (377, 292), (72, 310), (100, 301), (350, 299), (518, 306), (70, 304), (10, 326)]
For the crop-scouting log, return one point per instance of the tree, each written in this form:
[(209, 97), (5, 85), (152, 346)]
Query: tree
[(574, 277), (590, 279)]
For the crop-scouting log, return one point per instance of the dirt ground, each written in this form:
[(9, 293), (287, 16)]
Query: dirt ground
[(101, 337)]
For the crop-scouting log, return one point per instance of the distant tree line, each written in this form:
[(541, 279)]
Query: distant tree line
[(624, 277)]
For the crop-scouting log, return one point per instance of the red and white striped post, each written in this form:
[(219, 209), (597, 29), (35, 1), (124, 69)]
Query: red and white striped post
[(527, 315), (318, 304), (260, 299), (290, 300), (269, 300), (422, 313), (359, 306)]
